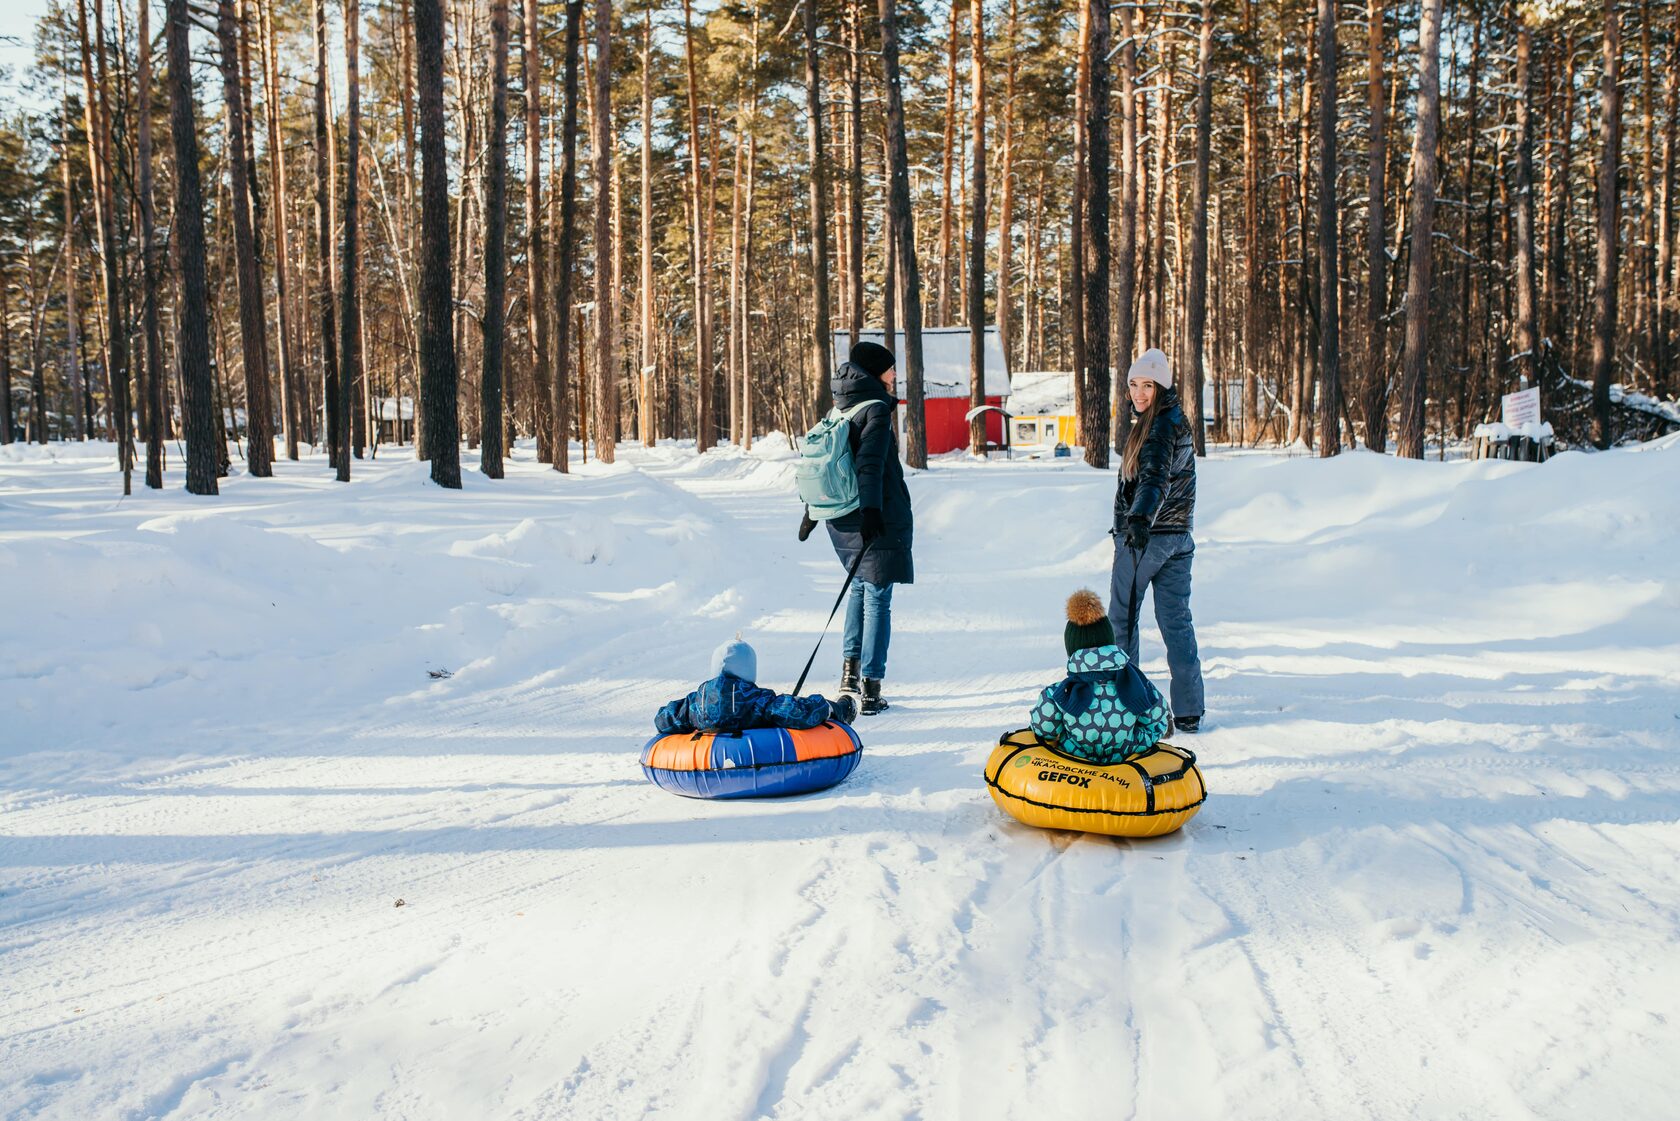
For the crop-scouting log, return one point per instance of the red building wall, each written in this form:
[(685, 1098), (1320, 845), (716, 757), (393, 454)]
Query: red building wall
[(947, 431)]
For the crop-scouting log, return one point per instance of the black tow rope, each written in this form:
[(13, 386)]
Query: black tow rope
[(841, 598)]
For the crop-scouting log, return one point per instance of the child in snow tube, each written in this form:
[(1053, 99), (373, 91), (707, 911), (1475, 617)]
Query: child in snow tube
[(1104, 709), (731, 739), (1091, 759)]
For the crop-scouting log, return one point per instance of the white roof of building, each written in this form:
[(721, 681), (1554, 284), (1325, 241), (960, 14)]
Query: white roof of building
[(1042, 393), (944, 359)]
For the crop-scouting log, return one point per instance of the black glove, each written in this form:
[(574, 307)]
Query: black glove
[(873, 527), (1137, 533), (844, 710), (806, 525)]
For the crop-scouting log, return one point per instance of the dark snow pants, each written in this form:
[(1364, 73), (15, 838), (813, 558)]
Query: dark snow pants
[(1165, 566)]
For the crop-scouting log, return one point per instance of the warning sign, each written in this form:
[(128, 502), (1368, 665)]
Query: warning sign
[(1520, 408)]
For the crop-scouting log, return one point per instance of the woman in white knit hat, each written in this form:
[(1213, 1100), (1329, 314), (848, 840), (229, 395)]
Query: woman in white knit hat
[(1154, 508)]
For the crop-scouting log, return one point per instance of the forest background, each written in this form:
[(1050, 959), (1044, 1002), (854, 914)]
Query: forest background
[(241, 228)]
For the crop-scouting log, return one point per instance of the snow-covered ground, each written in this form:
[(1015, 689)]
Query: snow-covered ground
[(1438, 875)]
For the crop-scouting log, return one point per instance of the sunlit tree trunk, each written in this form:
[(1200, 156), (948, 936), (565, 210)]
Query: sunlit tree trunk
[(349, 315), (155, 406), (1374, 400), (704, 420), (258, 415), (1125, 250), (491, 423), (854, 165), (942, 287), (437, 329), (324, 175), (904, 237), (1005, 307), (977, 235), (1093, 415), (1329, 248), (822, 339), (192, 306), (1609, 215), (536, 259), (1414, 387), (563, 313), (1527, 326), (647, 367)]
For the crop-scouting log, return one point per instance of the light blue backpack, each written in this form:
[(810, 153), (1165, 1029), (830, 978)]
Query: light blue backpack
[(825, 476)]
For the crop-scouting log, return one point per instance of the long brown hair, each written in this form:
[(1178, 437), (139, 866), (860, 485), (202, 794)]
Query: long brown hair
[(1141, 423)]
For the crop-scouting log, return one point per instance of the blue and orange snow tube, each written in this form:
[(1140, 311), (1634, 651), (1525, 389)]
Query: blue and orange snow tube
[(1147, 795), (756, 763)]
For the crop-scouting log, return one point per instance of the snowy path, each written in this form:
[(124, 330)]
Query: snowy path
[(1439, 874)]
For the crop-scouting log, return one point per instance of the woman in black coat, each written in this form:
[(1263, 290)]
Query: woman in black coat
[(1154, 509), (882, 520)]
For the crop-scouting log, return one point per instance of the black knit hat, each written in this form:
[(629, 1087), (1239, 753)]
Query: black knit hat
[(1088, 623), (872, 358)]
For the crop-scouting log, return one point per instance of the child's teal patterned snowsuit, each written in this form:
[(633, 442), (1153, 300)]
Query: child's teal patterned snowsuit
[(1094, 712)]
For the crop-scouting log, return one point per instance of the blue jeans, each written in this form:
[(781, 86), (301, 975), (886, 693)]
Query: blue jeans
[(868, 627), (1165, 565)]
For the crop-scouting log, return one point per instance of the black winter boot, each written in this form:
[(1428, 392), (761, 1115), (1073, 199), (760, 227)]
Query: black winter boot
[(872, 702), (1189, 725), (848, 675)]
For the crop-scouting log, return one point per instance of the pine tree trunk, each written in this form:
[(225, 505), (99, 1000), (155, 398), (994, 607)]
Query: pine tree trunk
[(192, 308), (977, 235), (73, 374), (854, 179), (492, 423), (1414, 386), (904, 237), (97, 115), (324, 168), (258, 415), (1093, 414), (438, 371), (349, 316), (536, 259), (942, 288), (149, 274), (1005, 308), (1374, 400), (732, 347), (1165, 146), (889, 271), (647, 368), (1196, 298), (1557, 289), (822, 338), (1668, 283), (1609, 217), (6, 344), (1527, 326), (747, 349), (704, 421), (1329, 251), (563, 342), (1125, 253), (289, 408), (606, 290), (1075, 318)]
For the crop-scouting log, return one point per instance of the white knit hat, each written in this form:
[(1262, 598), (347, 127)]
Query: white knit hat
[(1151, 364)]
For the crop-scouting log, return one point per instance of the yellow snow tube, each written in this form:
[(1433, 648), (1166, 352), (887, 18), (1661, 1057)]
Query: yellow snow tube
[(1144, 796)]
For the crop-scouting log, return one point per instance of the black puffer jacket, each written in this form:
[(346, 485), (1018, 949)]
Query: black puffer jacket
[(880, 476), (1165, 488)]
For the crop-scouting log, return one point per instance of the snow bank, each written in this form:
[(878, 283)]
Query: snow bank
[(1436, 877)]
